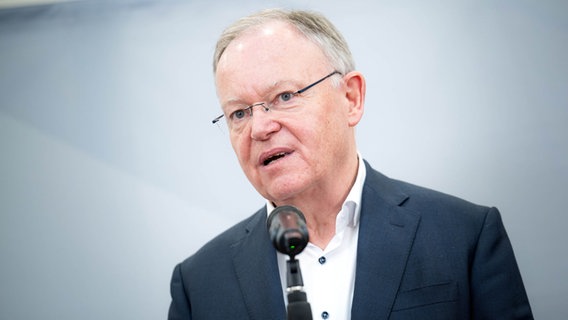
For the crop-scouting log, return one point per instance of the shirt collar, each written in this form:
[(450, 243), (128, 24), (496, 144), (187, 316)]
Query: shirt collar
[(351, 209)]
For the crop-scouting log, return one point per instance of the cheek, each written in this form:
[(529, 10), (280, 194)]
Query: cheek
[(241, 148), (323, 127), (237, 145)]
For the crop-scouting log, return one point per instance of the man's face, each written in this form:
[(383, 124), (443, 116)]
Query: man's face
[(285, 155)]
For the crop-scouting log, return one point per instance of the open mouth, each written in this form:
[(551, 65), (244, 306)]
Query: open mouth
[(274, 157)]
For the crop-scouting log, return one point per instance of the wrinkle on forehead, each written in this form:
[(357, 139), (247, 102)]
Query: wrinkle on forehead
[(262, 60), (266, 33)]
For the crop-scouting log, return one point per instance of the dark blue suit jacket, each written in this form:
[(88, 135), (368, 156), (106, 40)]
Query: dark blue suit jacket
[(421, 255)]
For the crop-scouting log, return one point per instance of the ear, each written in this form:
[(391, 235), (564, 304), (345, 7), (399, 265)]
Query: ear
[(355, 94)]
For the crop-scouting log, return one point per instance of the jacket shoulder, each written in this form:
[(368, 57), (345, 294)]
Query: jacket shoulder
[(217, 250), (439, 208), (407, 194)]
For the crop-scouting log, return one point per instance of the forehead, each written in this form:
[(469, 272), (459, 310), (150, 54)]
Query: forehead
[(270, 39), (268, 54)]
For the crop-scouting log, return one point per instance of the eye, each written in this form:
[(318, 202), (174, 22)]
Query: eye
[(239, 114), (286, 96)]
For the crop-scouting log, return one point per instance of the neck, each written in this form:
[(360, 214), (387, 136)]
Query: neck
[(321, 205)]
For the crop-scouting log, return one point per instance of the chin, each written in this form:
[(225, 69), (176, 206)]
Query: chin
[(283, 192)]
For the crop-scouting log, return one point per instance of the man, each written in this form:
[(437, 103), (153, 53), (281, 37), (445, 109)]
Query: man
[(379, 248)]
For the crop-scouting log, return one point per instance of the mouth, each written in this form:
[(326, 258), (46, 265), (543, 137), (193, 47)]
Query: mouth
[(274, 157)]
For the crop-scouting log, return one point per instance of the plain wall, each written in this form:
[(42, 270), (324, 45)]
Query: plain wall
[(111, 171)]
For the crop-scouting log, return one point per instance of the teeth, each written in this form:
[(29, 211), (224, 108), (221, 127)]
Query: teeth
[(274, 157)]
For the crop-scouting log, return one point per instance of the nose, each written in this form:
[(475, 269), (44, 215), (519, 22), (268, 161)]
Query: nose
[(263, 125)]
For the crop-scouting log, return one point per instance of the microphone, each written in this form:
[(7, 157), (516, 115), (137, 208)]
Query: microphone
[(287, 230), (289, 234)]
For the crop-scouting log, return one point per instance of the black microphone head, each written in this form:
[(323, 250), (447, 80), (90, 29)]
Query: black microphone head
[(287, 230)]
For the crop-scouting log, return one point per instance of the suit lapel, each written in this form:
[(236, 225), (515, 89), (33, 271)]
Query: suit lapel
[(256, 267), (386, 235)]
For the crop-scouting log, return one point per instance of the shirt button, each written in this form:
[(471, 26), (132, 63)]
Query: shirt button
[(324, 315), (322, 261)]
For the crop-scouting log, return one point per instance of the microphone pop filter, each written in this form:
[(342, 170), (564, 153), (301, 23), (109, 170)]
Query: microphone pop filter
[(287, 230)]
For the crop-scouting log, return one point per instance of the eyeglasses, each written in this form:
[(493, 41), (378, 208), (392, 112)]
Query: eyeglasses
[(284, 101)]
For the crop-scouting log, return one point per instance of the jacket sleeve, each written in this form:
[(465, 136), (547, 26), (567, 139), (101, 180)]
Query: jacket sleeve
[(497, 290), (180, 308)]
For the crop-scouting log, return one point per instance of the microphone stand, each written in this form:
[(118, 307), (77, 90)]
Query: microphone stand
[(298, 305), (289, 235)]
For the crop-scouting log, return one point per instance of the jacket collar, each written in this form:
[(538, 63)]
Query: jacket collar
[(386, 236), (257, 272)]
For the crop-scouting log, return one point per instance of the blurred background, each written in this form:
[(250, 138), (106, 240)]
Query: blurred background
[(111, 171)]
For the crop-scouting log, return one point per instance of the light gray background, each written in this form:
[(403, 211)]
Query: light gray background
[(111, 172)]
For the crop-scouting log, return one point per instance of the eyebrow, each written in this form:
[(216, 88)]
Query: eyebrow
[(268, 90)]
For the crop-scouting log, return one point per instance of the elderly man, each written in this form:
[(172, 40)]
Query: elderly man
[(379, 248)]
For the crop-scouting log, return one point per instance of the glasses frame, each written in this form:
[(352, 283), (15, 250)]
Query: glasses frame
[(266, 108)]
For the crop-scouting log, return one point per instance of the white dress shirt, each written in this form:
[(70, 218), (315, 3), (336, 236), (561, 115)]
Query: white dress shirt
[(329, 274)]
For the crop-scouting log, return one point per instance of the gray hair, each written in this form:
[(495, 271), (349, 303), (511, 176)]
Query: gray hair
[(315, 27)]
